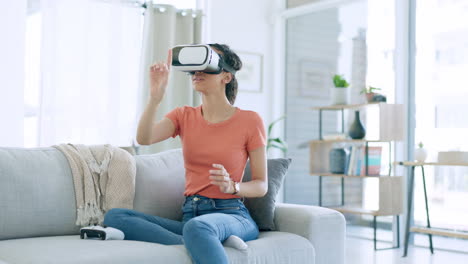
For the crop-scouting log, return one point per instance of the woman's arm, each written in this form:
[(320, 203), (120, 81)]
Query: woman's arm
[(149, 132), (257, 187)]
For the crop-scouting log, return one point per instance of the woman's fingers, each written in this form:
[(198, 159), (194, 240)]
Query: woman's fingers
[(159, 67), (220, 180), (218, 172), (169, 59), (220, 167), (220, 177)]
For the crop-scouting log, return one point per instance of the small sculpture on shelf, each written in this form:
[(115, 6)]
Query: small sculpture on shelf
[(420, 153), (357, 130)]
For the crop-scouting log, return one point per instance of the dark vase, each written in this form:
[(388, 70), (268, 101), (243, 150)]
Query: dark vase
[(357, 130), (337, 159)]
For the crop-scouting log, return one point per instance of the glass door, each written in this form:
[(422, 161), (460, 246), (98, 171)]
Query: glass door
[(441, 95), (356, 40)]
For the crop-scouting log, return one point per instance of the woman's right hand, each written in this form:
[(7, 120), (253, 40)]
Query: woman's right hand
[(159, 76)]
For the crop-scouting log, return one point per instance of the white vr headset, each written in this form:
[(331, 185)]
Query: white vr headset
[(198, 58)]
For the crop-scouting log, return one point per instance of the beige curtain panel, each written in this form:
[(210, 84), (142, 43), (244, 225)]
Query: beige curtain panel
[(164, 27)]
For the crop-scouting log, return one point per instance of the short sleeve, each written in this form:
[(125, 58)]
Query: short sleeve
[(256, 133), (176, 117)]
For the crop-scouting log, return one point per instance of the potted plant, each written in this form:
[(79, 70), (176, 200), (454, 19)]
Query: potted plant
[(340, 92), (276, 142), (371, 95)]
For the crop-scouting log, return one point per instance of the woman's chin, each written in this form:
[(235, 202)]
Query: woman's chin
[(198, 88)]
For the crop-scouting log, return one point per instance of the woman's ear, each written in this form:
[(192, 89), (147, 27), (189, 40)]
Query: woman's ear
[(227, 77)]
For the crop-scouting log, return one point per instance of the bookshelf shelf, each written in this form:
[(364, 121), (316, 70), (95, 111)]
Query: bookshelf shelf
[(412, 163), (440, 232), (319, 162), (339, 107), (345, 175), (358, 210), (323, 141), (390, 129)]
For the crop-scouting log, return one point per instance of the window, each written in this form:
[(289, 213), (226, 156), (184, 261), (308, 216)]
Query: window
[(32, 79), (89, 47), (440, 96)]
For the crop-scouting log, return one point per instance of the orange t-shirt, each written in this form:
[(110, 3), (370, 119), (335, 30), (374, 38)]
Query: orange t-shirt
[(226, 143)]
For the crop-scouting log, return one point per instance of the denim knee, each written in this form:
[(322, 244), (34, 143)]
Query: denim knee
[(196, 227), (113, 217)]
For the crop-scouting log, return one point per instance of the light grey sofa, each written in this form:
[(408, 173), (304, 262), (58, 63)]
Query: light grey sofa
[(37, 216)]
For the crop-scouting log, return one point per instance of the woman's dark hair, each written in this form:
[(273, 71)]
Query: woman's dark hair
[(234, 61)]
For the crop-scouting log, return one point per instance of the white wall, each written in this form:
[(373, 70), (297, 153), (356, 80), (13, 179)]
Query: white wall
[(12, 28), (254, 26), (247, 26)]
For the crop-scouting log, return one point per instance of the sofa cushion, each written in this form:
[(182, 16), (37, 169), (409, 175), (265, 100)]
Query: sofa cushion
[(37, 197), (262, 209), (270, 247), (160, 184), (72, 249)]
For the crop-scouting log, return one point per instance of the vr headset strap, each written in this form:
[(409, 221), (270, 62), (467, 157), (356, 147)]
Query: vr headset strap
[(225, 66)]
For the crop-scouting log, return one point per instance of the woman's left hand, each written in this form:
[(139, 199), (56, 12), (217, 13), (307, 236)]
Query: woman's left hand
[(221, 178)]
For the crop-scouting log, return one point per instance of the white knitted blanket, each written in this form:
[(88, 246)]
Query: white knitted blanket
[(104, 178)]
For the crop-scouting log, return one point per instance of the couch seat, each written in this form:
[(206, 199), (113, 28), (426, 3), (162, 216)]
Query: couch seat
[(270, 247)]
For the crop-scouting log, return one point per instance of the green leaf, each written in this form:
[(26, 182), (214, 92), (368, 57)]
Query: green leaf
[(270, 127), (340, 81), (276, 142), (280, 144), (369, 89), (282, 148)]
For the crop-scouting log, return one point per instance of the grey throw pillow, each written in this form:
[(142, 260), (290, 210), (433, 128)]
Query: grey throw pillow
[(262, 209)]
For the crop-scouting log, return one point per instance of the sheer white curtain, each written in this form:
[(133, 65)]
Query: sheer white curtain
[(164, 27), (90, 72), (12, 34)]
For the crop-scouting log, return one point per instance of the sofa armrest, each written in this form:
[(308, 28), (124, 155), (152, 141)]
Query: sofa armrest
[(324, 228)]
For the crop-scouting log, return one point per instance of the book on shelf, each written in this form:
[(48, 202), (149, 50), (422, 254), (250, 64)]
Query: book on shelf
[(356, 163), (350, 161)]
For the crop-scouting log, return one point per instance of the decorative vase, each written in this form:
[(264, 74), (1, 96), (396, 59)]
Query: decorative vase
[(357, 130), (340, 95), (420, 154), (337, 160)]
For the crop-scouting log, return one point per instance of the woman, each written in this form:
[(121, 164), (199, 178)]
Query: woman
[(217, 139)]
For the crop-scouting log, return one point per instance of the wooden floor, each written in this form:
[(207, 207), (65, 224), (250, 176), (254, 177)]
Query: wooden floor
[(361, 251)]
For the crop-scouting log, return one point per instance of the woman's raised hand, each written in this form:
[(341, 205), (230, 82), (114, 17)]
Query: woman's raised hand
[(159, 76)]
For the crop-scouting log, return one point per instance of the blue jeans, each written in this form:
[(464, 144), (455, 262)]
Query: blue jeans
[(205, 225)]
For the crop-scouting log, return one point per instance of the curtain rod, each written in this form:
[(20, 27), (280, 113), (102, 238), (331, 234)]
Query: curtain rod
[(197, 12), (144, 5)]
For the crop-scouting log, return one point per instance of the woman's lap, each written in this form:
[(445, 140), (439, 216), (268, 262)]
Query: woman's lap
[(224, 217)]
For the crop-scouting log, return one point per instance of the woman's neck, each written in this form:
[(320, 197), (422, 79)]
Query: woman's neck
[(216, 109)]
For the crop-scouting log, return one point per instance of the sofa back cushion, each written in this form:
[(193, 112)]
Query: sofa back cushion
[(37, 196), (262, 209), (160, 184)]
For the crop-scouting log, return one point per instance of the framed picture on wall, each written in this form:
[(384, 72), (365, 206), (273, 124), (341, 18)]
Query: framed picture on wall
[(250, 76), (315, 79)]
